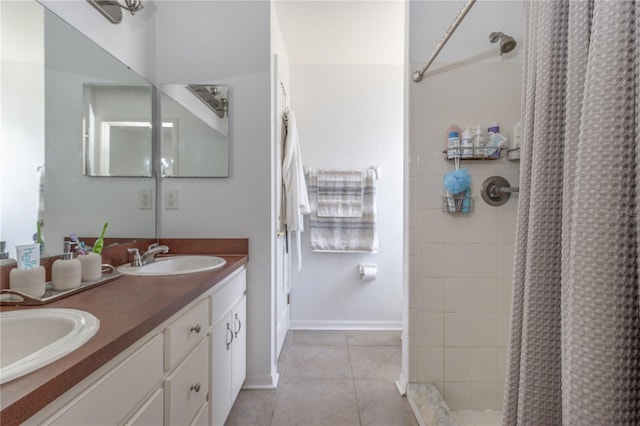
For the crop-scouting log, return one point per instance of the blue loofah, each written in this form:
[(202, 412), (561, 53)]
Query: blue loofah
[(457, 181)]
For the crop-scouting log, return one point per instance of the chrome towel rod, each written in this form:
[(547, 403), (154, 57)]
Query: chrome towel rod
[(419, 75)]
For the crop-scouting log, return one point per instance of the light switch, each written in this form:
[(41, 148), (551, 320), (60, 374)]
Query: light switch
[(171, 202), (145, 199)]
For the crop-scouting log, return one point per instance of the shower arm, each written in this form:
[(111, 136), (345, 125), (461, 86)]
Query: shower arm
[(419, 75)]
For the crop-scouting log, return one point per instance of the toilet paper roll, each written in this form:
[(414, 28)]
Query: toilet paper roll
[(368, 272)]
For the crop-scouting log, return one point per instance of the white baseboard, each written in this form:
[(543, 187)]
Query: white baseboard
[(345, 325), (261, 382)]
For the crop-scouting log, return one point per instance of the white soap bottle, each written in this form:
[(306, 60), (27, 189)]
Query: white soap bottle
[(66, 272)]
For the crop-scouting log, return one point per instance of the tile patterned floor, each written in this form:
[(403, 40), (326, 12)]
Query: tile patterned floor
[(331, 378)]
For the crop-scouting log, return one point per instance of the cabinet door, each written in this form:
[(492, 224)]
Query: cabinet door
[(109, 399), (220, 398), (151, 413), (239, 348)]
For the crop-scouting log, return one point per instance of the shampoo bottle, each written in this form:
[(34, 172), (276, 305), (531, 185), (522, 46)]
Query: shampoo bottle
[(66, 272)]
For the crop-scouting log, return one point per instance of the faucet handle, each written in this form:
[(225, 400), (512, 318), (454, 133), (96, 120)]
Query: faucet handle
[(137, 260), (152, 246)]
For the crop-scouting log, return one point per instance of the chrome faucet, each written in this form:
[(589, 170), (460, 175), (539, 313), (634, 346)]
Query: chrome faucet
[(149, 256)]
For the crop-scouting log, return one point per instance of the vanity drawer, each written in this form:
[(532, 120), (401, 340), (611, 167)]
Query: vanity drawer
[(186, 389), (223, 299), (110, 399), (184, 333)]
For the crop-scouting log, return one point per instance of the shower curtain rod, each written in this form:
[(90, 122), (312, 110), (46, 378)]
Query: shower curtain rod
[(419, 75)]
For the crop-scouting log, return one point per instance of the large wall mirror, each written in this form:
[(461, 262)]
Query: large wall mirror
[(50, 72), (195, 130)]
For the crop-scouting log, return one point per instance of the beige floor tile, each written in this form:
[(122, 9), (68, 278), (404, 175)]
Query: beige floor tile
[(317, 362), (316, 403), (253, 408), (376, 362), (374, 338), (380, 404), (318, 338)]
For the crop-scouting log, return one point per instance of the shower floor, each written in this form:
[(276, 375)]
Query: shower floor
[(431, 409), (477, 417)]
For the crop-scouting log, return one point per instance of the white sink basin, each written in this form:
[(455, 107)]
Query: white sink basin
[(33, 338), (174, 265)]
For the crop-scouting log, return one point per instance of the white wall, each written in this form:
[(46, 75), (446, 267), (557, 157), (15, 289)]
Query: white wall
[(461, 266), (351, 116), (228, 43)]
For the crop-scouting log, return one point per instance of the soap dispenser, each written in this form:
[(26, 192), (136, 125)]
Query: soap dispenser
[(66, 272)]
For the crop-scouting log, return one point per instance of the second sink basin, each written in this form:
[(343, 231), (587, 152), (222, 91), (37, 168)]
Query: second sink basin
[(175, 265), (33, 338)]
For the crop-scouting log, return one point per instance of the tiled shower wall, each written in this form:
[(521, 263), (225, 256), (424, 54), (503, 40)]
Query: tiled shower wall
[(461, 266)]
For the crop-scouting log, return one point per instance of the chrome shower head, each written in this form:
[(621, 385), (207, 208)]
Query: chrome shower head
[(507, 43)]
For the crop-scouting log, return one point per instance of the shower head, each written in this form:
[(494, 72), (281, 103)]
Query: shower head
[(507, 43)]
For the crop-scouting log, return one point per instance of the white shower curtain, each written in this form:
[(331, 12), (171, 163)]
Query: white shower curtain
[(574, 356)]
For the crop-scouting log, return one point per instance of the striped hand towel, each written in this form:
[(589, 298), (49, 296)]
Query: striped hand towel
[(344, 233)]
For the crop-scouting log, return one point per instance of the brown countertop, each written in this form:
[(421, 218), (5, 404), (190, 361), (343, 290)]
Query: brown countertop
[(128, 308)]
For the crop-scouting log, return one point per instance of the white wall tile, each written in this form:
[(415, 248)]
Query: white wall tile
[(500, 395), (458, 85), (431, 365), (457, 329), (485, 84), (484, 226), (503, 294), (430, 260), (506, 225), (456, 228), (483, 261), (501, 364), (483, 330), (483, 365), (505, 256), (483, 295), (456, 365), (457, 395), (430, 226), (457, 295), (431, 295), (429, 121), (502, 329), (484, 395), (430, 329), (456, 260)]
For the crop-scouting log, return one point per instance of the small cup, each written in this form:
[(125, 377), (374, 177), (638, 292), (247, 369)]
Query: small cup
[(28, 281), (91, 264)]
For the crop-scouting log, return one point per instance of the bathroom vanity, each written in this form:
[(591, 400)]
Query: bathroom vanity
[(170, 350)]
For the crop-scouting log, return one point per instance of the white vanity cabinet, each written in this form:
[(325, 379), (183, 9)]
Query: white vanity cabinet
[(188, 371), (228, 347)]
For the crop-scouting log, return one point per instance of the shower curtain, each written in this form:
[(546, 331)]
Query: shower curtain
[(574, 355)]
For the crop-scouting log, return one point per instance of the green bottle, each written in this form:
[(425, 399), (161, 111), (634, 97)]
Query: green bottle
[(99, 244)]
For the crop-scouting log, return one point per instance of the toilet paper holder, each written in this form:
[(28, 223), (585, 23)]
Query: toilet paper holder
[(368, 272)]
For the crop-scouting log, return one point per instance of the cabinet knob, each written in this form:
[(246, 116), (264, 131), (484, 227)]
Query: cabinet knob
[(195, 387), (196, 328)]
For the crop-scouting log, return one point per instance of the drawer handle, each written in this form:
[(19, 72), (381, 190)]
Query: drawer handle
[(196, 387), (196, 328), (229, 333), (239, 324)]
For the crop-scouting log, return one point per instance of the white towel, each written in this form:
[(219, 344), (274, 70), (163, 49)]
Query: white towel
[(295, 187), (339, 193), (345, 234)]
